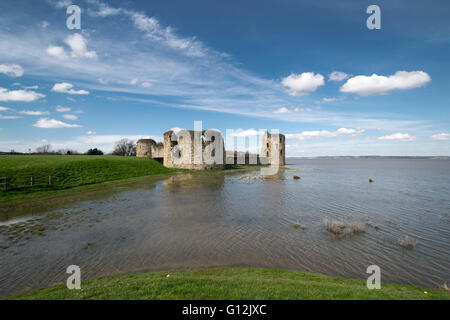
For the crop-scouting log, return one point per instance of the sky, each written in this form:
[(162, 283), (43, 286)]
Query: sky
[(312, 70)]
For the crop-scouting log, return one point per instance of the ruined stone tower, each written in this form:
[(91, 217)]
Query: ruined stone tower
[(273, 149), (194, 149), (148, 148)]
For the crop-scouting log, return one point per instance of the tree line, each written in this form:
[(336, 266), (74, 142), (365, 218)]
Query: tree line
[(124, 147)]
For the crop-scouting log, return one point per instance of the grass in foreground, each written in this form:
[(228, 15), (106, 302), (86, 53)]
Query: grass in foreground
[(73, 171), (230, 284)]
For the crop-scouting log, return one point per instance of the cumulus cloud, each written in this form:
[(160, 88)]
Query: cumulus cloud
[(47, 123), (375, 84), (302, 84), (33, 113), (4, 109), (337, 76), (70, 117), (57, 52), (281, 110), (441, 136), (67, 88), (19, 95), (78, 44), (11, 70), (399, 137), (310, 135), (78, 48), (90, 133)]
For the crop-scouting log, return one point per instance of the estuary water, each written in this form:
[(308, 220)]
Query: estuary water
[(239, 218)]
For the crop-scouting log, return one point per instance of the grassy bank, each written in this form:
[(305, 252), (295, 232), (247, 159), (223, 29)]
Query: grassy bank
[(72, 171), (231, 283)]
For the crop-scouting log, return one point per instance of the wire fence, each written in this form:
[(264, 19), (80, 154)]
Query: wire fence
[(11, 183)]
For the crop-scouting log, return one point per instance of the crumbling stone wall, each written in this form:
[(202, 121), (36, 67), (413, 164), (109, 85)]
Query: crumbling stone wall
[(149, 148), (273, 149), (194, 149)]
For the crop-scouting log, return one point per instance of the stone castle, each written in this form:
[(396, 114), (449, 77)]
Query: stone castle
[(205, 149)]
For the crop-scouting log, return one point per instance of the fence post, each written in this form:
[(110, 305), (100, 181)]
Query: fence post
[(32, 180), (49, 180)]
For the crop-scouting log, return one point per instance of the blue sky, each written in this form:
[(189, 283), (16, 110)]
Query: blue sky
[(311, 69)]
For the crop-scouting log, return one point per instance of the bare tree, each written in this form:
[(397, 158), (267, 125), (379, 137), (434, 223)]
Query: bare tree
[(46, 148), (125, 147)]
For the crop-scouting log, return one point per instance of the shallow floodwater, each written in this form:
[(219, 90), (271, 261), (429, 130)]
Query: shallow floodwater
[(218, 219)]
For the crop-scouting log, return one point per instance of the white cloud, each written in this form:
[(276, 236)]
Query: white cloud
[(57, 52), (176, 129), (78, 44), (375, 84), (103, 10), (67, 88), (11, 70), (399, 137), (47, 123), (91, 132), (441, 136), (19, 95), (70, 117), (61, 3), (63, 109), (154, 31), (35, 87), (327, 100), (146, 85), (301, 84), (281, 110), (303, 109), (337, 76), (78, 48), (4, 108), (9, 117), (246, 133), (310, 135), (33, 113)]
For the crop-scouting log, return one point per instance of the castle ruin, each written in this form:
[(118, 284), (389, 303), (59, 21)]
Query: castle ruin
[(200, 150)]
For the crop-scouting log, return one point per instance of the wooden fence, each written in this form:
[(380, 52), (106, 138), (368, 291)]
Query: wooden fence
[(10, 183)]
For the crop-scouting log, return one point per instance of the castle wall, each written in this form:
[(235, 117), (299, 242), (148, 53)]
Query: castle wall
[(194, 149), (274, 148)]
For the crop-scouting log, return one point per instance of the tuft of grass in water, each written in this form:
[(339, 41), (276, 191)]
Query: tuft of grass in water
[(370, 180), (341, 228), (296, 178), (335, 227), (231, 283), (356, 228), (408, 243)]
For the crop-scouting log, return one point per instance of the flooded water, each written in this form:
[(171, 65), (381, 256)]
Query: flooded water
[(218, 219)]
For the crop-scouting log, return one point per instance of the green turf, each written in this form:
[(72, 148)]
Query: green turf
[(73, 171), (231, 283)]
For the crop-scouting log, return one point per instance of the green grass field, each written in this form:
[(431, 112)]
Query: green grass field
[(73, 171), (231, 284)]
